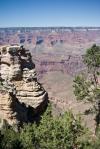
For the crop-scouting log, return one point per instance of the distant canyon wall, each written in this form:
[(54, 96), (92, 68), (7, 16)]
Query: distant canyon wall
[(49, 36)]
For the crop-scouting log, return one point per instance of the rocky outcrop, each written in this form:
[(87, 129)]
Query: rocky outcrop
[(21, 96)]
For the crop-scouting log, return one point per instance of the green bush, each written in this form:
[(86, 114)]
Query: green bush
[(63, 132)]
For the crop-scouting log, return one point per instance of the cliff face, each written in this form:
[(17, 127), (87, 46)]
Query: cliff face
[(50, 35), (21, 96)]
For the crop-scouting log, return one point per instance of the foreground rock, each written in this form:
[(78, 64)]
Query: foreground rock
[(21, 96)]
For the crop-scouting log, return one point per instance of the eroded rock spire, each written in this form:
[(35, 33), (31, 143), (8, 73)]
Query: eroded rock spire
[(21, 96)]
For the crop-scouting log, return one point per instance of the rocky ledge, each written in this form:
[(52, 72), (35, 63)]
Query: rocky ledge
[(21, 96)]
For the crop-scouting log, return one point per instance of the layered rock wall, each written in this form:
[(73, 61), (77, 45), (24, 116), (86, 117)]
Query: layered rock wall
[(21, 96)]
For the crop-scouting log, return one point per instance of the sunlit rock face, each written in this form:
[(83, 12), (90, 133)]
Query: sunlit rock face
[(21, 96), (10, 63)]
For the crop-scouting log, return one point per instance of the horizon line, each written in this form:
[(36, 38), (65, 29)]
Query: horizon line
[(50, 27)]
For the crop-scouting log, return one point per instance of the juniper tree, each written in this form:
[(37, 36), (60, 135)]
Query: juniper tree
[(87, 86)]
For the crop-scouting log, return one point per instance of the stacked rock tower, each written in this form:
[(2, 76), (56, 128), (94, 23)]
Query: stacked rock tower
[(21, 96)]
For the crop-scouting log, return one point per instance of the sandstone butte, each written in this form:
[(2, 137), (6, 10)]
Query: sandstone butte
[(21, 96)]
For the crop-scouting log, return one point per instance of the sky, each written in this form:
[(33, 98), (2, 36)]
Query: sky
[(44, 13)]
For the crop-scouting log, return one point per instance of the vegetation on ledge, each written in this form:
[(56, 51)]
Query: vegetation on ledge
[(63, 132)]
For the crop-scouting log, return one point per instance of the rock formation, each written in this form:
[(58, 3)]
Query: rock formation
[(21, 96), (50, 35)]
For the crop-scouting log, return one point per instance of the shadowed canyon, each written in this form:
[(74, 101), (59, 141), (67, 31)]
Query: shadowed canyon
[(57, 53)]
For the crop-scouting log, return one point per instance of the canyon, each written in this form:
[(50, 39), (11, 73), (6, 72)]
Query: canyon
[(58, 56)]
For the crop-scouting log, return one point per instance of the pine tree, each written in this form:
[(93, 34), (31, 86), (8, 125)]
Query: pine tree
[(87, 86)]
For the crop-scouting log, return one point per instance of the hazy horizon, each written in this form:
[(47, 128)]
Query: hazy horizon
[(50, 27)]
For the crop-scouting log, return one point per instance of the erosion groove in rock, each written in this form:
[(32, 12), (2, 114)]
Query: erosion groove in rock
[(21, 96)]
